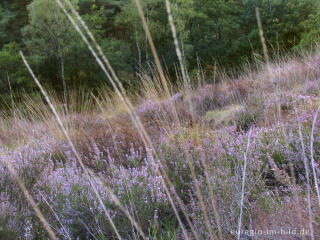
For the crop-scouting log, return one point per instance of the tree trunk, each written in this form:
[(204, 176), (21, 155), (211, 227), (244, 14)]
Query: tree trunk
[(139, 57), (147, 55), (63, 78), (182, 50)]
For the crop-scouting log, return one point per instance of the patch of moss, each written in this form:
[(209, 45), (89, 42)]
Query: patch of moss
[(224, 115)]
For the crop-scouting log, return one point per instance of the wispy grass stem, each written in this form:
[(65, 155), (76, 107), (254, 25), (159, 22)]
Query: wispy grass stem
[(243, 184), (306, 167), (311, 155)]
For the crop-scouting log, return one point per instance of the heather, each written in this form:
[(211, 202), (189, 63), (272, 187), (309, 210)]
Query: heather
[(202, 155)]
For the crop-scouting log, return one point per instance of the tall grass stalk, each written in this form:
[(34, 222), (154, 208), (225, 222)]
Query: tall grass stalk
[(63, 129), (243, 183), (57, 217), (11, 93), (157, 62), (187, 87), (153, 48), (267, 59), (306, 167), (263, 40), (311, 155), (164, 82), (177, 47)]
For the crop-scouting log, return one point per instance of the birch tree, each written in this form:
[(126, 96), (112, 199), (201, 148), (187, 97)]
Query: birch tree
[(49, 33)]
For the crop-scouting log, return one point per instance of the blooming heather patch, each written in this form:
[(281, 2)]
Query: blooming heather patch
[(63, 185), (61, 190), (275, 183)]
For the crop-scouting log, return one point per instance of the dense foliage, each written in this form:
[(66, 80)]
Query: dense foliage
[(215, 32)]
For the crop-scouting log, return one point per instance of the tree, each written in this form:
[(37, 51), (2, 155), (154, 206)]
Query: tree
[(12, 70), (5, 16), (312, 28), (157, 19), (13, 17), (214, 31), (112, 36), (49, 33), (283, 21)]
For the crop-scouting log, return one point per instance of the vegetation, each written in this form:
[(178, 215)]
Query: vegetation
[(212, 33), (201, 154)]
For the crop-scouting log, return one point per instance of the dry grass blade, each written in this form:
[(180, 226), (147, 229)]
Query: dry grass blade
[(176, 43), (63, 129), (157, 61), (30, 200), (187, 87), (243, 183), (57, 217), (263, 41), (173, 109), (11, 93), (311, 155), (266, 56), (306, 167), (153, 49)]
